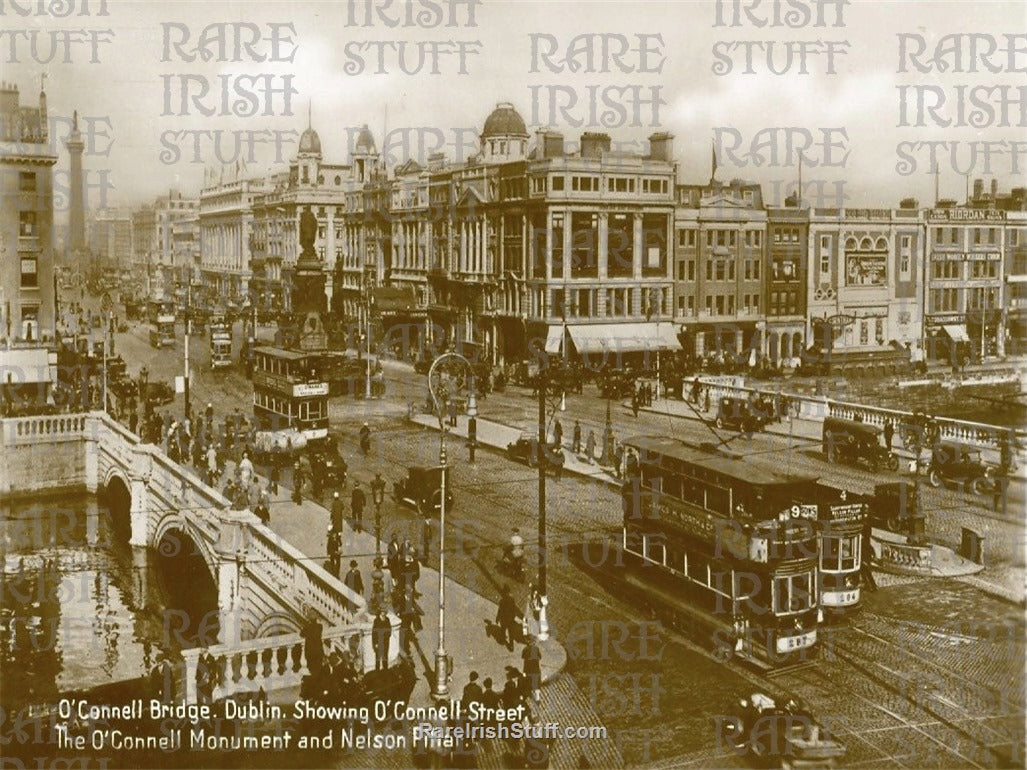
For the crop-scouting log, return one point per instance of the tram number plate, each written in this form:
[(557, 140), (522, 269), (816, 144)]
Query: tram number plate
[(785, 644)]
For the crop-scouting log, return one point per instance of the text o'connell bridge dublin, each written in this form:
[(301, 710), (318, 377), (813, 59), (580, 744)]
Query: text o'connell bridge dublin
[(485, 384)]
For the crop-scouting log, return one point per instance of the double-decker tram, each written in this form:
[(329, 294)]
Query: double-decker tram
[(841, 518), (289, 392), (725, 548), (161, 314)]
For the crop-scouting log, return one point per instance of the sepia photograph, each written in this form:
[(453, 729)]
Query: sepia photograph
[(513, 384)]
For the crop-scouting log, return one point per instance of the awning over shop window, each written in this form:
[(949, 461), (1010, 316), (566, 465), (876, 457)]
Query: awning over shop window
[(554, 339), (624, 338), (957, 333)]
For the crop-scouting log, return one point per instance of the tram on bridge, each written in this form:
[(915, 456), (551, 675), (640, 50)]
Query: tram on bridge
[(289, 391)]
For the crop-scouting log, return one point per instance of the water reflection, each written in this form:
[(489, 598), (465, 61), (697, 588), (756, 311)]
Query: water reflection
[(79, 607)]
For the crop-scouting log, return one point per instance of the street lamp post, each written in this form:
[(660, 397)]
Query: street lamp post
[(367, 329), (543, 392), (378, 495), (607, 457), (436, 388), (472, 421)]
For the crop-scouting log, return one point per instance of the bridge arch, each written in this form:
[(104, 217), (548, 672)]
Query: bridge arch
[(117, 495), (189, 580)]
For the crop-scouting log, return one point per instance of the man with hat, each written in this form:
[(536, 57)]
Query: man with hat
[(358, 501), (353, 580), (338, 512)]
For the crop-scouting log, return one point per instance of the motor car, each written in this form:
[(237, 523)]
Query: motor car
[(743, 414), (329, 468), (896, 507), (857, 443), (159, 393), (777, 732), (960, 463), (525, 450), (422, 488)]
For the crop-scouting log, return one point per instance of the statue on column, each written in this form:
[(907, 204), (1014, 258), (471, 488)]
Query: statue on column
[(308, 234)]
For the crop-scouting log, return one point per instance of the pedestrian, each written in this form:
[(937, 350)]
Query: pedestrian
[(889, 433), (245, 469), (532, 657), (338, 512), (133, 421), (393, 558), (297, 483), (634, 404), (513, 690), (558, 434), (452, 413), (353, 580), (411, 569), (381, 636), (590, 446), (406, 627), (472, 691), (275, 477), (868, 552), (334, 549), (507, 618), (358, 500), (489, 698), (576, 445), (999, 490)]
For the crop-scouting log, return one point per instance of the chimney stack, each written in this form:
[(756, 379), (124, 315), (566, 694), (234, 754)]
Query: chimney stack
[(994, 189), (978, 189), (661, 147), (593, 145)]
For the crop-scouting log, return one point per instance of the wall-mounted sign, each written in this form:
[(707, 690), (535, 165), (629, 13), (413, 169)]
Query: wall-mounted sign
[(966, 215), (866, 269), (310, 389)]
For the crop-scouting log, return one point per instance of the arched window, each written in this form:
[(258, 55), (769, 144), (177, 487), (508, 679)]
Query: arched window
[(866, 244), (882, 244), (850, 244)]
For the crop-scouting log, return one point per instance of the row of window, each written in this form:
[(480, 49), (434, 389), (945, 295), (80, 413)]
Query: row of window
[(977, 235), (584, 303), (304, 411), (728, 238), (591, 183)]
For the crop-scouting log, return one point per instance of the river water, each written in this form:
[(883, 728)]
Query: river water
[(79, 607)]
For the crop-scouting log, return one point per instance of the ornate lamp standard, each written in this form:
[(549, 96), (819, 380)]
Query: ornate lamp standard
[(378, 496), (445, 378), (472, 420), (544, 396)]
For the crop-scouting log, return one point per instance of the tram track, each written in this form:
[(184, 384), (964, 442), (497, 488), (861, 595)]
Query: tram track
[(963, 736)]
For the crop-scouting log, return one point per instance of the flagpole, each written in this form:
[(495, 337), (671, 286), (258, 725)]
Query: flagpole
[(798, 192)]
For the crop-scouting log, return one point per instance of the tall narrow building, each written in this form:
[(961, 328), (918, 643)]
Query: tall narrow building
[(27, 355), (77, 215)]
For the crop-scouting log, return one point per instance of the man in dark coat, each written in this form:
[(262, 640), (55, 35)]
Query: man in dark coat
[(358, 501), (532, 656), (353, 580), (507, 618), (889, 433), (338, 512), (381, 639)]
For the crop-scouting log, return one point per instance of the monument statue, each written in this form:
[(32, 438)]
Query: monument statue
[(308, 234)]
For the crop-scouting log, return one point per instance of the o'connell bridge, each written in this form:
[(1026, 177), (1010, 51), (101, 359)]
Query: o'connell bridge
[(267, 592)]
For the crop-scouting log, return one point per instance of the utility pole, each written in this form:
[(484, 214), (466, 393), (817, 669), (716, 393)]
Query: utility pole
[(543, 388), (185, 347)]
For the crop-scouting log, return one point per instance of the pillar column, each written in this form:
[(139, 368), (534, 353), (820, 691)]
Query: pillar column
[(138, 512)]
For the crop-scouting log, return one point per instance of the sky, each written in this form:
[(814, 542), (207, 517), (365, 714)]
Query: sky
[(123, 74)]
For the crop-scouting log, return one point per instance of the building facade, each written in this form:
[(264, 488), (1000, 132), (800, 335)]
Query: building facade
[(27, 287), (721, 237)]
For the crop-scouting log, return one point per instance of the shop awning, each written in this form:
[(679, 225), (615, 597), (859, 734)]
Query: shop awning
[(624, 338), (554, 339), (956, 332)]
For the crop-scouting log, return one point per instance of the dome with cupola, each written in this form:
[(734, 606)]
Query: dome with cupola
[(504, 121), (310, 142)]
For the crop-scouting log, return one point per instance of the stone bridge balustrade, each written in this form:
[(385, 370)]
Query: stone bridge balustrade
[(278, 663)]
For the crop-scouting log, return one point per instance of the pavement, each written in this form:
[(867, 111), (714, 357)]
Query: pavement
[(305, 525), (467, 643)]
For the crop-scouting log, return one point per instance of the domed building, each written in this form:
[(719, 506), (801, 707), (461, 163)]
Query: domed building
[(308, 156), (505, 135)]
